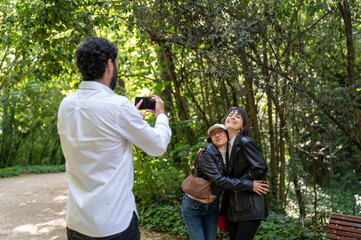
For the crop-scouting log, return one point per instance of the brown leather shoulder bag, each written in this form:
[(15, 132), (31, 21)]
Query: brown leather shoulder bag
[(196, 186)]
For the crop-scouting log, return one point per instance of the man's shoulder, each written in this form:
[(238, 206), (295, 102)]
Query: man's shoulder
[(101, 98), (118, 98)]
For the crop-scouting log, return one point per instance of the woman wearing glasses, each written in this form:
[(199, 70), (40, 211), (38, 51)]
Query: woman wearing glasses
[(200, 215)]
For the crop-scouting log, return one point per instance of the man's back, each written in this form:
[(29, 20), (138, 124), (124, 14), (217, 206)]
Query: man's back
[(97, 129)]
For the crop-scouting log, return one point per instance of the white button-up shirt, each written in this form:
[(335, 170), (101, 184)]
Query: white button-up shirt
[(97, 129)]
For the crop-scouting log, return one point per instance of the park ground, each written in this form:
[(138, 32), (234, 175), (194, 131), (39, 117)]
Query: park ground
[(33, 207)]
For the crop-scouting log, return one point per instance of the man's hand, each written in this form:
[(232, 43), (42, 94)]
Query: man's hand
[(138, 105), (159, 105), (260, 187)]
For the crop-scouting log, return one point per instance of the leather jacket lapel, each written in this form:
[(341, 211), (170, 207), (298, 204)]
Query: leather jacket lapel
[(218, 156), (234, 153)]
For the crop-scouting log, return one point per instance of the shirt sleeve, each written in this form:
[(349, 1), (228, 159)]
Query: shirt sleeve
[(152, 140)]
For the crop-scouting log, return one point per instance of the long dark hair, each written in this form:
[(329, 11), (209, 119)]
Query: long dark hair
[(246, 130)]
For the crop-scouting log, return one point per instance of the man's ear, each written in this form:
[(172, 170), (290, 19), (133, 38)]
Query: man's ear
[(110, 65), (108, 72)]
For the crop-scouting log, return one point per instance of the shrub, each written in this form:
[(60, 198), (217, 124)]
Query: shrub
[(17, 170), (163, 218), (279, 226)]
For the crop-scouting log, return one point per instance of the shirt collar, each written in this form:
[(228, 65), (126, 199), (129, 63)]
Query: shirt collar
[(232, 140), (95, 85)]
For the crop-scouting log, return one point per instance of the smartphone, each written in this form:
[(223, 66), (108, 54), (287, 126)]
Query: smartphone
[(148, 103)]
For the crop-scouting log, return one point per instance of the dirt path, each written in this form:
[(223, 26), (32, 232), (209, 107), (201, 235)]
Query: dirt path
[(33, 207)]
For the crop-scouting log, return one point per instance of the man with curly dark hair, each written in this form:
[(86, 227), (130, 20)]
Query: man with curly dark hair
[(97, 129), (92, 57)]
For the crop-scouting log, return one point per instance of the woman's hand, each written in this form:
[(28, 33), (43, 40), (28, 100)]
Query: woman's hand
[(260, 187)]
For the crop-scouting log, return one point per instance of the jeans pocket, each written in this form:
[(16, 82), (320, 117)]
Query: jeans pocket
[(189, 203)]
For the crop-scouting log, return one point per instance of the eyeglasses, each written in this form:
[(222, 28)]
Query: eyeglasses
[(215, 132)]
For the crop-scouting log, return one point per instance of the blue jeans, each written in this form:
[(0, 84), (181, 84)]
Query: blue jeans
[(200, 218)]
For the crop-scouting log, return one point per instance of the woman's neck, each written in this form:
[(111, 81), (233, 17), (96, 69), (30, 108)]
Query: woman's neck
[(222, 147), (232, 133)]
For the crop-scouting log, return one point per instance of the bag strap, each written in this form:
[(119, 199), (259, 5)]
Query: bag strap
[(196, 161)]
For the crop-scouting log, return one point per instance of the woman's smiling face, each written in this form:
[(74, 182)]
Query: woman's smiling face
[(234, 121)]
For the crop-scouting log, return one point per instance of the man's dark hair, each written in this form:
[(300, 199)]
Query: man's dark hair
[(92, 57)]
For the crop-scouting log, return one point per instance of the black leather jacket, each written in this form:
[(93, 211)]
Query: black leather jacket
[(246, 162), (211, 167)]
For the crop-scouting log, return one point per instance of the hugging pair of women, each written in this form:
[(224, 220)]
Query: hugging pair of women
[(235, 166)]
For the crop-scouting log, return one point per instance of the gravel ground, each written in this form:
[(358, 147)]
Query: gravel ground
[(33, 207)]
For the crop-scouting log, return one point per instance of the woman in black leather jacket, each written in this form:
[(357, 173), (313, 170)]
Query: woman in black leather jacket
[(200, 215), (244, 210)]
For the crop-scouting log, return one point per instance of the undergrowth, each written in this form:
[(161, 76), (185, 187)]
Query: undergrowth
[(167, 218), (17, 170)]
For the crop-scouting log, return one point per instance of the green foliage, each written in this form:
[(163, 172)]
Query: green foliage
[(168, 218), (162, 218), (29, 132), (279, 226), (196, 53), (156, 179), (339, 198), (17, 170)]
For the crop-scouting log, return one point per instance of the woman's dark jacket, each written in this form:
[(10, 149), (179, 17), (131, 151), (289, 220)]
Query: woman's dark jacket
[(211, 167), (246, 162)]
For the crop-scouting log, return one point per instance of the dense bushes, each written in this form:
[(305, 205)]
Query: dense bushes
[(163, 218), (279, 226), (168, 218), (17, 170), (158, 195)]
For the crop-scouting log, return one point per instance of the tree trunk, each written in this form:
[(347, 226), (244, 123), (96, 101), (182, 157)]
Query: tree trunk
[(282, 163), (205, 93), (250, 103), (8, 131), (191, 93), (273, 166), (283, 138), (168, 61), (346, 15), (225, 96), (300, 199), (168, 75), (313, 157), (233, 92)]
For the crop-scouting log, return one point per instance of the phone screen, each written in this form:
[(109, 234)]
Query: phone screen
[(148, 103)]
